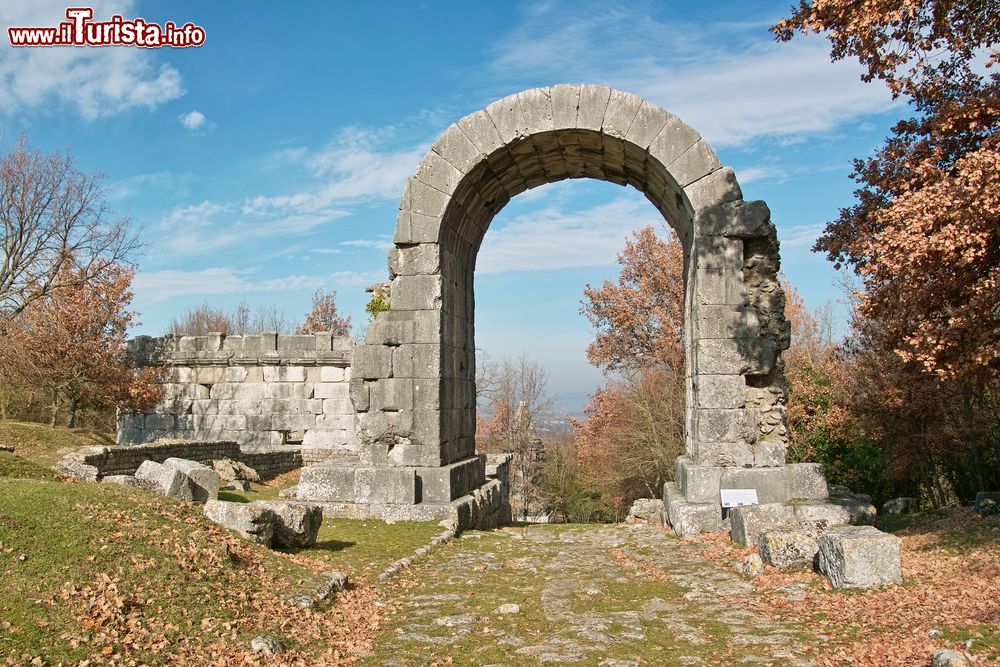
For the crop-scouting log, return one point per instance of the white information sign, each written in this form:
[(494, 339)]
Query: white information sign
[(738, 497)]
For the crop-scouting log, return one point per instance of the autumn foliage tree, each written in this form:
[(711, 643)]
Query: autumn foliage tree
[(58, 232), (324, 318), (70, 346), (633, 427), (924, 233)]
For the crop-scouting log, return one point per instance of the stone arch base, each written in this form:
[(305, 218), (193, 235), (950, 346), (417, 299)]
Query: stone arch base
[(413, 383)]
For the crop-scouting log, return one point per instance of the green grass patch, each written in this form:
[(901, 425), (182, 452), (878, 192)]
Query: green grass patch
[(14, 467), (44, 445), (78, 559)]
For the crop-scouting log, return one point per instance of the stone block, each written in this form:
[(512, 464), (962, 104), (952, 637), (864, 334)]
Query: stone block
[(455, 147), (736, 356), (395, 327), (820, 514), (331, 390), (859, 557), (331, 374), (687, 518), (769, 453), (769, 482), (438, 173), (248, 519), (948, 658), (698, 484), (737, 219), (747, 523), (392, 393), (218, 423), (725, 321), (722, 425), (299, 421), (122, 480), (806, 481), (417, 361), (858, 507), (720, 391), (287, 390), (360, 396), (720, 286), (234, 374), (672, 141), (719, 187), (646, 510), (481, 131), (204, 480), (416, 292), (565, 105), (508, 119), (789, 548), (372, 362), (325, 438), (284, 374), (295, 524), (621, 112), (592, 106), (77, 469), (164, 481), (646, 125), (338, 406), (442, 484), (416, 260)]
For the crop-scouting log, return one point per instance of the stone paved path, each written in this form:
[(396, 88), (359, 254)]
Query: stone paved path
[(591, 595)]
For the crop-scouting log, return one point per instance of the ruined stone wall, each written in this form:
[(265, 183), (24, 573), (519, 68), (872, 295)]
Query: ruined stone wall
[(262, 391), (96, 463)]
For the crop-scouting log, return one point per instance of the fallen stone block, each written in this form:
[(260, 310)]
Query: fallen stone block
[(859, 508), (859, 557), (230, 471), (249, 520), (123, 480), (987, 503), (75, 469), (204, 480), (948, 658), (900, 506), (751, 566), (645, 510), (789, 548), (295, 524), (822, 515), (746, 523), (164, 481)]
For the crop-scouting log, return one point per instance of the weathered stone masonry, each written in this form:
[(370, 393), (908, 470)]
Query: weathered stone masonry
[(260, 391)]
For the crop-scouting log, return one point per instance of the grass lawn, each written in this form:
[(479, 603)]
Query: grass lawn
[(43, 445)]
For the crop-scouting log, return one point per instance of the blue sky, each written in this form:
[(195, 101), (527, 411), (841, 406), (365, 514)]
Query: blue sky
[(270, 161)]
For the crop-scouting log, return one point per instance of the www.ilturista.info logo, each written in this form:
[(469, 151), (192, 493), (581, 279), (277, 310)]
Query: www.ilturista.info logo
[(79, 30)]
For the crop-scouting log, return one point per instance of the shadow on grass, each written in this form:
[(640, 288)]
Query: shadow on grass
[(333, 546)]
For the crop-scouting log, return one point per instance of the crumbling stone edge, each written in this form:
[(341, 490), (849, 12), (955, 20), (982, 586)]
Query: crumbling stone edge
[(451, 531)]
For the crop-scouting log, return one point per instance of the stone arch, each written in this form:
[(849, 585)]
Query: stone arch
[(413, 378)]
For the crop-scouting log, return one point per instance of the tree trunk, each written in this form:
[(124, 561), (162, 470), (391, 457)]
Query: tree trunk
[(73, 407), (54, 408)]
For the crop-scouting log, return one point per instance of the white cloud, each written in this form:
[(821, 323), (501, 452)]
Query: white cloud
[(556, 239), (94, 81), (352, 169), (195, 121), (155, 286), (749, 89), (378, 244), (800, 236)]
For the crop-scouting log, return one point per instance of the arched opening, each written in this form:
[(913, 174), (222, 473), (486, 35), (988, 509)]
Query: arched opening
[(413, 379)]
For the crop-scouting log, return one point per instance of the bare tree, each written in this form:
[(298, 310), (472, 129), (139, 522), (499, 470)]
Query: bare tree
[(205, 318), (57, 229)]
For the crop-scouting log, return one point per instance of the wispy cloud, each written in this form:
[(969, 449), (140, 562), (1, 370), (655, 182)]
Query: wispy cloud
[(155, 286), (350, 170), (378, 244), (751, 89), (94, 82), (800, 236), (555, 238)]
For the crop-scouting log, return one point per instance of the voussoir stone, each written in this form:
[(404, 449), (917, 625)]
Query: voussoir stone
[(859, 557)]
